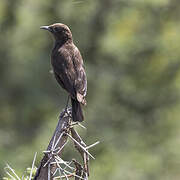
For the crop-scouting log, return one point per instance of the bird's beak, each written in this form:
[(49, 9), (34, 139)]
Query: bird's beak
[(45, 27)]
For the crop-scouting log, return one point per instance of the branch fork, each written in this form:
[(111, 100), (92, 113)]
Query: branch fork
[(52, 166)]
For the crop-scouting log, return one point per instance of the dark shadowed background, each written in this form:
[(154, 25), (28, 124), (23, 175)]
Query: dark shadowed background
[(131, 50)]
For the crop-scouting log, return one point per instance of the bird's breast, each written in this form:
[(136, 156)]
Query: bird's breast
[(61, 60)]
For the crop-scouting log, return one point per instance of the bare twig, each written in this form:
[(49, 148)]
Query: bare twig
[(44, 172), (52, 161), (84, 149), (79, 169)]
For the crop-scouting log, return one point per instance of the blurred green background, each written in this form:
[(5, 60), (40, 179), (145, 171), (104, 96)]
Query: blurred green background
[(131, 50)]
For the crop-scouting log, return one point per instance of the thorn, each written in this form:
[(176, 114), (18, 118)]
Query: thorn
[(61, 161), (81, 146), (12, 170), (58, 139), (52, 147), (47, 162), (58, 168), (55, 172), (66, 176), (78, 123), (54, 151), (81, 125), (60, 174), (46, 152), (62, 147), (32, 166), (49, 175), (10, 176), (68, 164), (92, 145)]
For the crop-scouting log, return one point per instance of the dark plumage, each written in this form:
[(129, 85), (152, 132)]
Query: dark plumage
[(68, 67)]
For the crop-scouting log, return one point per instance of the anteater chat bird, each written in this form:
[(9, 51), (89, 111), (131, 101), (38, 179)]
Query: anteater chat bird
[(68, 67)]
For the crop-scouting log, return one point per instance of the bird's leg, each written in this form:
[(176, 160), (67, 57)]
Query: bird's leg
[(67, 103), (66, 108)]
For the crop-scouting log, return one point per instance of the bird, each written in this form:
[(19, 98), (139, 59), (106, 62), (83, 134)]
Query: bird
[(68, 67)]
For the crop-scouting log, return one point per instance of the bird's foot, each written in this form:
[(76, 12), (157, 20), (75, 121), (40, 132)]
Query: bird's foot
[(68, 111)]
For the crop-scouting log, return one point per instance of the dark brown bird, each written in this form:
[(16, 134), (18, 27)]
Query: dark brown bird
[(68, 67)]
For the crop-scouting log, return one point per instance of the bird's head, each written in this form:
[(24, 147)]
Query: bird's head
[(61, 32)]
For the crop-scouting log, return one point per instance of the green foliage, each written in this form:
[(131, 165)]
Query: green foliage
[(131, 53)]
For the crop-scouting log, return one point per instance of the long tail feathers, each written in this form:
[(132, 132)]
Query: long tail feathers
[(77, 114)]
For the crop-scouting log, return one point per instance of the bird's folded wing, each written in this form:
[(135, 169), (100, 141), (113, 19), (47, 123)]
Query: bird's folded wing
[(80, 80)]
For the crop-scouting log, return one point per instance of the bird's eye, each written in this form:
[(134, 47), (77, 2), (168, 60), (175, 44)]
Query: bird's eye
[(56, 29)]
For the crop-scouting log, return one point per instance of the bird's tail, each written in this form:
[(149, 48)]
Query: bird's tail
[(77, 114)]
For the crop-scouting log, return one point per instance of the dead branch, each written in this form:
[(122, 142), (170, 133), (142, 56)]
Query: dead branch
[(84, 155), (55, 146), (52, 163)]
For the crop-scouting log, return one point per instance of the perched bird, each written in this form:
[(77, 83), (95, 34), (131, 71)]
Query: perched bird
[(68, 67)]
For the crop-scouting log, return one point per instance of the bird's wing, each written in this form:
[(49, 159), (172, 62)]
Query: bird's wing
[(80, 80)]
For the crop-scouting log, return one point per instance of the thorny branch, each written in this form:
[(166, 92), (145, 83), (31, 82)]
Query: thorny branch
[(52, 166)]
